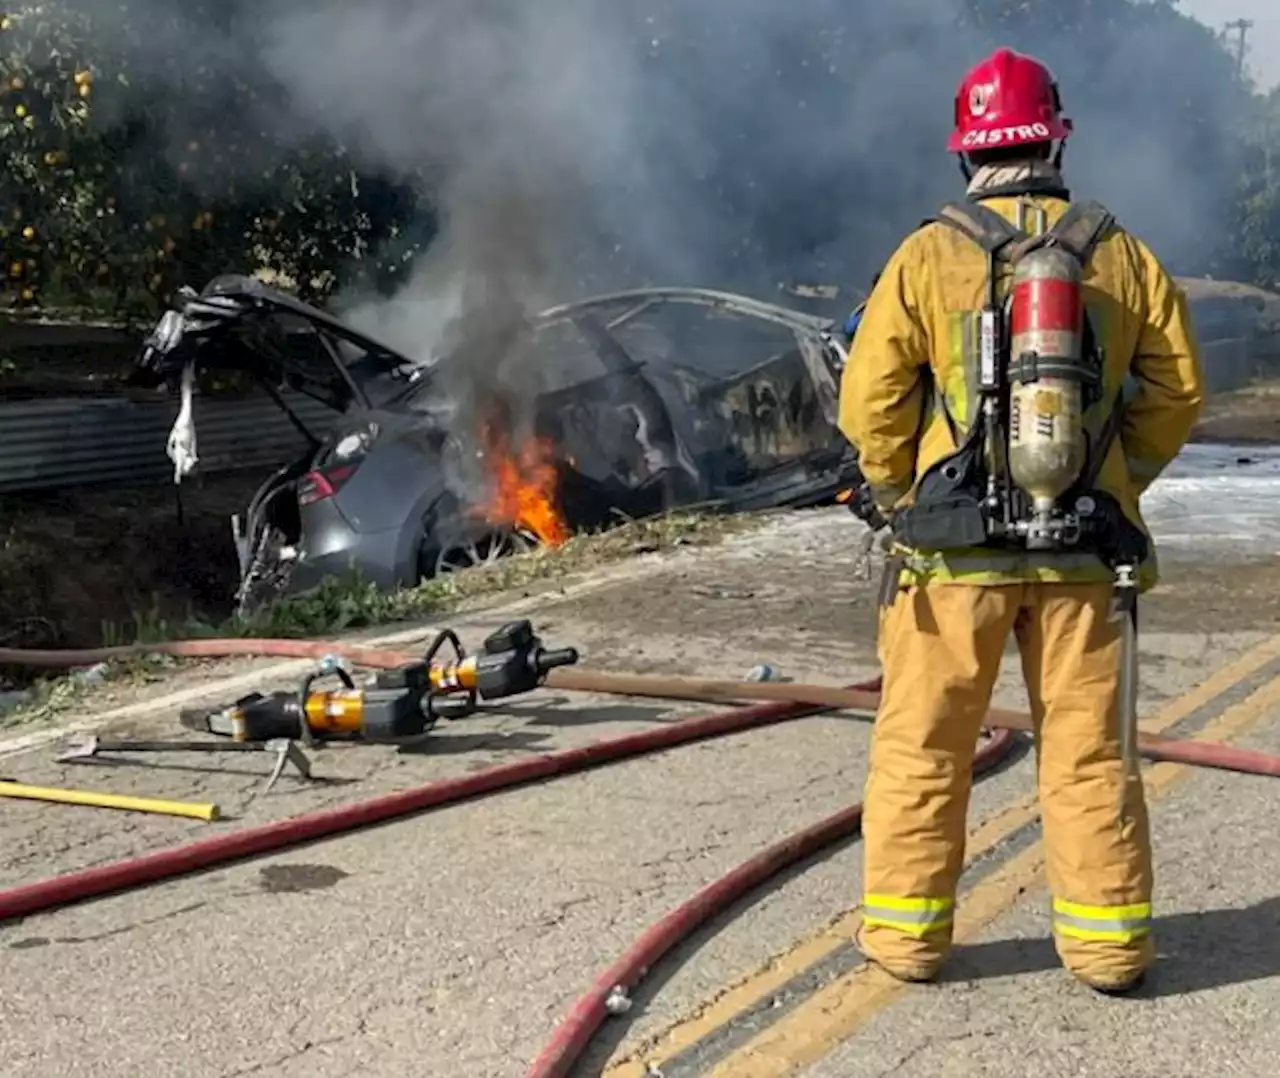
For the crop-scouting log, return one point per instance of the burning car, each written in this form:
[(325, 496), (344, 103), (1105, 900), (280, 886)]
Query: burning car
[(623, 406)]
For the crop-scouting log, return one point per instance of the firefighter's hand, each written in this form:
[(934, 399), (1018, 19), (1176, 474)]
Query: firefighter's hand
[(863, 506)]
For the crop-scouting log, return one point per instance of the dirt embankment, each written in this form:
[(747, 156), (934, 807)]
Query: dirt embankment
[(79, 568)]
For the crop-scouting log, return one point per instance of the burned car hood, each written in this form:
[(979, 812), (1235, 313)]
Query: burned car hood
[(241, 324)]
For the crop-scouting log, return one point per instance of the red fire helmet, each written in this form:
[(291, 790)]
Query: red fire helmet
[(1007, 100)]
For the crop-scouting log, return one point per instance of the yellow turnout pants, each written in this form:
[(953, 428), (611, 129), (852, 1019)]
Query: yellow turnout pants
[(940, 649)]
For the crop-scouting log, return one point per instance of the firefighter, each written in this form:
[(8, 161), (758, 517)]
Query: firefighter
[(910, 403)]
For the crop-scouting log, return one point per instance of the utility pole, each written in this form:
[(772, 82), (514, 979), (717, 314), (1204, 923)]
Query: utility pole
[(1242, 28)]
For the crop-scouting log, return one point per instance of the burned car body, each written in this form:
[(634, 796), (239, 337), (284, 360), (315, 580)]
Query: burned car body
[(661, 398)]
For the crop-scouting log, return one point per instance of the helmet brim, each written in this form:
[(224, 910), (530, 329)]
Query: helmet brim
[(994, 136)]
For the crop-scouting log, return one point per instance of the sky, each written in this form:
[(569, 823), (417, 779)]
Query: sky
[(1263, 40)]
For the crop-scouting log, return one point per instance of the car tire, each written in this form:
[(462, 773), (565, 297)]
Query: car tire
[(457, 547)]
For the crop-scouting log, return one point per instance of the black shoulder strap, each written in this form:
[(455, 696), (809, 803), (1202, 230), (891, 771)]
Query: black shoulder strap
[(1101, 446), (984, 226), (1081, 228)]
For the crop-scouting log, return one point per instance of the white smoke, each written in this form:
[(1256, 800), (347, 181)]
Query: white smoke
[(577, 145)]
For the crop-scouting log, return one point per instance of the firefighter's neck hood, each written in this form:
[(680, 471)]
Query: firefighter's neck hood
[(1030, 177)]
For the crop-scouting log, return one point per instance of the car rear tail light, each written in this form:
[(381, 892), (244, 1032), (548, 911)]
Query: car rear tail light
[(322, 483)]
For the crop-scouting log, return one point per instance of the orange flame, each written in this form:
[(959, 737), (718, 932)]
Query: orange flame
[(525, 484)]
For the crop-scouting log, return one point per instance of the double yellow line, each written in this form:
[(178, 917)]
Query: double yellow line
[(836, 1011)]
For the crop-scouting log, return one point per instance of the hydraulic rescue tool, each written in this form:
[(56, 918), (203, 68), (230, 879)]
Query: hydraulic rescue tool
[(285, 751), (400, 703)]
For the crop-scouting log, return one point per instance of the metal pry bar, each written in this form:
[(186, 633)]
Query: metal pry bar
[(286, 751)]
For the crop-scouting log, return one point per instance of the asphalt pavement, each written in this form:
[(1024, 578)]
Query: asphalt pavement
[(449, 944)]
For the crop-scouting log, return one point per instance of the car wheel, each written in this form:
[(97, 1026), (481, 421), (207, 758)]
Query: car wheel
[(483, 546)]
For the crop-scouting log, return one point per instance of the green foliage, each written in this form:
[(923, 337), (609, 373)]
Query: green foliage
[(339, 605), (119, 185), (1259, 207), (142, 146)]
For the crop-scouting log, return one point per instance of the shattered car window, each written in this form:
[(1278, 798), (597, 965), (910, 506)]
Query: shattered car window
[(310, 368), (382, 376), (754, 393), (710, 341)]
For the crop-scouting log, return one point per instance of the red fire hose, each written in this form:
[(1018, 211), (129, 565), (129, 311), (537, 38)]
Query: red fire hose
[(30, 898), (203, 649), (808, 699), (115, 876), (592, 1009)]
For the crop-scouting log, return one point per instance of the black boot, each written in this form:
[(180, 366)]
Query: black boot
[(1119, 990)]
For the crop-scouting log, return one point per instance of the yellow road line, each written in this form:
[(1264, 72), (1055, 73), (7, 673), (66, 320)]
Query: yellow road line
[(759, 985), (834, 1013)]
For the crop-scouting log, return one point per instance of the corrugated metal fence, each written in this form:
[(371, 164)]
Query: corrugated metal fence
[(1239, 330), (1230, 364), (65, 443)]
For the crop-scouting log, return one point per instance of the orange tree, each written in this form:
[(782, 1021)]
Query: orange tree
[(133, 161)]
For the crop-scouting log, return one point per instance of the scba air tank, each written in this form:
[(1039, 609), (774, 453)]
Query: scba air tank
[(1047, 446)]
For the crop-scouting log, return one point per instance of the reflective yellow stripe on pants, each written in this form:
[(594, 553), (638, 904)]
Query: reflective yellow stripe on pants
[(914, 916), (1114, 924)]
